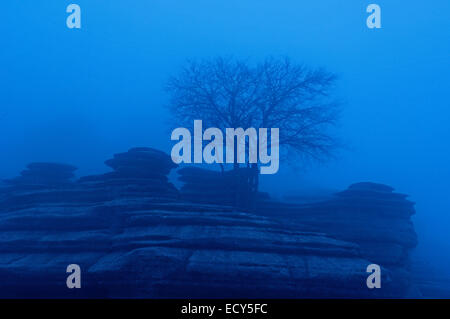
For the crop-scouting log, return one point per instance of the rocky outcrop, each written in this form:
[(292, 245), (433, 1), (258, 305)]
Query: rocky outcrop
[(133, 236), (233, 188), (139, 172), (134, 248), (370, 215), (206, 186), (33, 183), (43, 174)]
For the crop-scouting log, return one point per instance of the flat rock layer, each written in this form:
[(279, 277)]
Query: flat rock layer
[(370, 215), (133, 236), (156, 248)]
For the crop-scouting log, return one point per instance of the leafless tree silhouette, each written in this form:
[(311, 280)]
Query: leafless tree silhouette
[(276, 93), (227, 92)]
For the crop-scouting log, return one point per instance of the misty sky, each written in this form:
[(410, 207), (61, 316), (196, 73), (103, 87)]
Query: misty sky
[(78, 96)]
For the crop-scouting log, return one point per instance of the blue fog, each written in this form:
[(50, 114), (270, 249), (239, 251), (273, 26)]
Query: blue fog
[(78, 96)]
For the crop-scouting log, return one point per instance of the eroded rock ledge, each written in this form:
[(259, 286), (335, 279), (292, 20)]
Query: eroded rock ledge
[(133, 236)]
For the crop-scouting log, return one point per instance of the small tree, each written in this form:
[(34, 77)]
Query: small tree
[(231, 93)]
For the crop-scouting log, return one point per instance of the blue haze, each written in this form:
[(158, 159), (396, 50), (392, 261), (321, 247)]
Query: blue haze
[(78, 96)]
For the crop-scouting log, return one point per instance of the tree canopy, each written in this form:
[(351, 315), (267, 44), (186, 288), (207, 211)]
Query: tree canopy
[(231, 93)]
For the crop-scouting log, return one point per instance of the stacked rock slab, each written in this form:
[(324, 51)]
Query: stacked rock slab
[(390, 234), (140, 172), (144, 243), (216, 187), (131, 248), (43, 175), (368, 214), (35, 183), (206, 186)]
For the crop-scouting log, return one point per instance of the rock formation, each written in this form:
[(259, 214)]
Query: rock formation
[(370, 215), (133, 236), (140, 172), (214, 187), (43, 174), (135, 248)]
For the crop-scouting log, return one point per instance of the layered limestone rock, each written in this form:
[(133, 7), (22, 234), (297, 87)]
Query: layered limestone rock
[(140, 172), (133, 236), (43, 175), (233, 188), (368, 214), (129, 248), (33, 183)]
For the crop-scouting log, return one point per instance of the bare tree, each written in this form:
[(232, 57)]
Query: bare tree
[(226, 92), (276, 93)]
